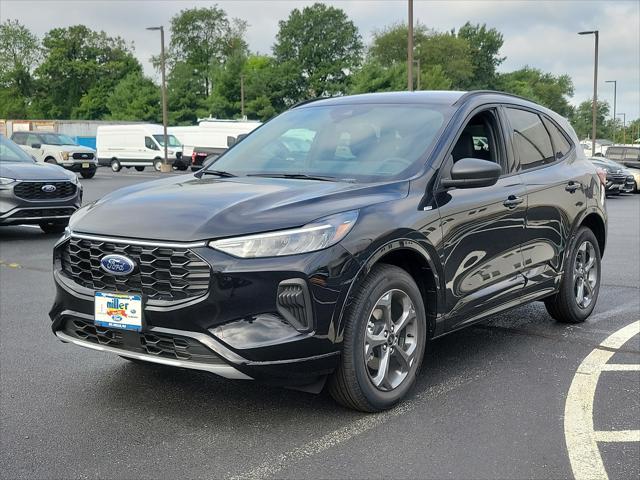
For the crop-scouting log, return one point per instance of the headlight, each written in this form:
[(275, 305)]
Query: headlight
[(314, 236), (65, 155), (6, 181)]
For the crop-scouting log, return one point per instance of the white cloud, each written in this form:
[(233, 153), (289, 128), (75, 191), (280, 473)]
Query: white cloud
[(542, 34)]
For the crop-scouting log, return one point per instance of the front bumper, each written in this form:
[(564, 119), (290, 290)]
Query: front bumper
[(238, 319), (80, 165)]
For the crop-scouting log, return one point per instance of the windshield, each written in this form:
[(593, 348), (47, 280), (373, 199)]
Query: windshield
[(173, 141), (10, 152), (56, 139), (362, 143)]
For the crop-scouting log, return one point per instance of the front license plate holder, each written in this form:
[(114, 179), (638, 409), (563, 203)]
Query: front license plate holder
[(85, 165), (118, 310)]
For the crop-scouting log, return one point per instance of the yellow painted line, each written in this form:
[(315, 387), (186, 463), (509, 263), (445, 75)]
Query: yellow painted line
[(621, 367), (579, 433), (618, 436), (9, 264)]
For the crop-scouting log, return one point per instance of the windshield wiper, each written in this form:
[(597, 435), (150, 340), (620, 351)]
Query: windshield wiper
[(298, 176), (219, 173)]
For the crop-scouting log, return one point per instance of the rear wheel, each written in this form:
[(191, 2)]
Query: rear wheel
[(580, 283), (115, 165), (140, 169), (384, 342), (53, 227)]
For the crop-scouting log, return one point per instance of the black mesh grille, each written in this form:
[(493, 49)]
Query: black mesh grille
[(43, 212), (83, 156), (162, 273), (164, 345), (34, 190)]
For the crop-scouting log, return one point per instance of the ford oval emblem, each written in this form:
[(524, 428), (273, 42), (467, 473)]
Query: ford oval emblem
[(48, 188), (117, 264)]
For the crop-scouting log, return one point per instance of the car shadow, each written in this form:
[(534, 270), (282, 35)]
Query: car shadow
[(24, 232)]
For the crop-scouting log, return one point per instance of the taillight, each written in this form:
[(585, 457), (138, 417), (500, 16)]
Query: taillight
[(193, 157), (602, 175)]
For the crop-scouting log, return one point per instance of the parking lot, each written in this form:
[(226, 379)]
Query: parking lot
[(517, 396)]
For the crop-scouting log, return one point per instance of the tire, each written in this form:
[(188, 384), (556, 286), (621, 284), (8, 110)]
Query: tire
[(51, 160), (195, 169), (88, 173), (157, 164), (355, 384), (53, 227), (140, 169), (182, 167), (564, 305), (115, 165)]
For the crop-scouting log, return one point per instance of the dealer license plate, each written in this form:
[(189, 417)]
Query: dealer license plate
[(116, 310)]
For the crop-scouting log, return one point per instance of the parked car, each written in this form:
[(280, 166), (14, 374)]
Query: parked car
[(623, 153), (203, 155), (35, 193), (58, 149), (616, 176), (138, 146), (338, 259)]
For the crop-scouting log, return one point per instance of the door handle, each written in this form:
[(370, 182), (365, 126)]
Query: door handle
[(572, 186), (512, 201)]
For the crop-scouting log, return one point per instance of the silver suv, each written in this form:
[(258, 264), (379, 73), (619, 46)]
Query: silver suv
[(58, 149)]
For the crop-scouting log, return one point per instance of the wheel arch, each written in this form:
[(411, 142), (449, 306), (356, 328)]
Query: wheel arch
[(418, 262), (596, 224)]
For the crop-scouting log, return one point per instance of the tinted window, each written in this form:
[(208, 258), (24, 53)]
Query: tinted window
[(31, 139), (560, 143), (531, 139), (355, 142), (149, 143), (19, 138)]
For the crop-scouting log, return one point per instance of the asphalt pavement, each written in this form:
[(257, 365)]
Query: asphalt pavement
[(492, 401)]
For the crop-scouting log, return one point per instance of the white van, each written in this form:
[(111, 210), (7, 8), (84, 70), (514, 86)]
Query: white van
[(137, 145), (210, 136)]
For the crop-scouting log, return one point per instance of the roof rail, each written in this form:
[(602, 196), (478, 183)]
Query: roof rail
[(485, 92), (310, 100)]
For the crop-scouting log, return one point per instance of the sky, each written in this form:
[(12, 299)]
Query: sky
[(538, 33)]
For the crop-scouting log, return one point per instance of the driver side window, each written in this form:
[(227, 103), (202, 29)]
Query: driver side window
[(150, 144), (479, 139)]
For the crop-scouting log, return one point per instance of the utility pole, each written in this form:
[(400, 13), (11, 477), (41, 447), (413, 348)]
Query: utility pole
[(594, 107), (418, 73), (242, 96), (165, 117), (615, 87), (410, 49)]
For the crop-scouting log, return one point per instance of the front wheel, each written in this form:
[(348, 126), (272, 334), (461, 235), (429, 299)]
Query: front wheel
[(580, 282), (115, 165), (384, 342), (53, 227), (157, 165), (140, 169), (90, 173)]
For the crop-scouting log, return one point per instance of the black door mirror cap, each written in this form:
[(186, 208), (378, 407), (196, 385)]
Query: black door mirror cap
[(36, 145), (473, 173)]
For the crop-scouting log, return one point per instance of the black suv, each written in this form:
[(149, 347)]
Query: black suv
[(334, 241)]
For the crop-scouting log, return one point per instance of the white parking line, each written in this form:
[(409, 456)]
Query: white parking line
[(580, 436)]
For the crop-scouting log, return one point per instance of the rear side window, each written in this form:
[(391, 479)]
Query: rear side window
[(19, 138), (561, 145), (632, 154), (530, 138), (615, 153)]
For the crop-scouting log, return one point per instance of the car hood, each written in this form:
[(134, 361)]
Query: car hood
[(33, 171), (188, 208)]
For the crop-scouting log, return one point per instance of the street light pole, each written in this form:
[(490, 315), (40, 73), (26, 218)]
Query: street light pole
[(165, 117), (624, 127), (417, 62), (242, 96), (410, 49), (615, 87), (594, 107)]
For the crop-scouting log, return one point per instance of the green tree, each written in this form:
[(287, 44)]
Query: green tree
[(374, 77), (135, 98), (204, 38), (78, 62), (186, 95), (317, 48), (389, 44), (19, 54), (549, 90), (485, 44), (582, 120), (451, 53)]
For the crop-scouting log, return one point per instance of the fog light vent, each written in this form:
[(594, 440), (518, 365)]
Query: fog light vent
[(294, 304)]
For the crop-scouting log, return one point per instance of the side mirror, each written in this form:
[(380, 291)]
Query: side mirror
[(231, 141), (473, 173), (36, 145)]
